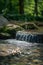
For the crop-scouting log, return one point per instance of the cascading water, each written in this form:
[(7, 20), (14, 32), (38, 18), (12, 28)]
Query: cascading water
[(38, 38), (30, 53)]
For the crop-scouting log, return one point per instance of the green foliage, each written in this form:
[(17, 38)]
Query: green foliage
[(10, 9)]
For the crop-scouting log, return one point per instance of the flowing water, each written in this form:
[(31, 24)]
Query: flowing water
[(29, 37), (31, 48), (31, 53)]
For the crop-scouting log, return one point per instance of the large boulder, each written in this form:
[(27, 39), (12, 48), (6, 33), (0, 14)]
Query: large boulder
[(3, 21)]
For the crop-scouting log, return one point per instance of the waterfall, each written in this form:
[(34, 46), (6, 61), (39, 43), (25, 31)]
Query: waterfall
[(29, 37)]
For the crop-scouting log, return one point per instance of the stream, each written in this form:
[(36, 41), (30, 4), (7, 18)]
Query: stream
[(31, 51)]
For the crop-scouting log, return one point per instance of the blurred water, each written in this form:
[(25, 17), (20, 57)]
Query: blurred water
[(31, 53), (23, 36)]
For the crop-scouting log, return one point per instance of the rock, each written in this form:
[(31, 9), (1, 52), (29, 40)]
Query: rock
[(8, 49), (4, 36), (3, 21), (36, 61), (14, 26), (9, 31)]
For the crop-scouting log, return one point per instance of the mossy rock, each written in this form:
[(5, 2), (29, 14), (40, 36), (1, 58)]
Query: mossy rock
[(30, 27), (19, 29), (9, 30)]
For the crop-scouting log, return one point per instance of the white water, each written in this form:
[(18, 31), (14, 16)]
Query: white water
[(24, 46), (19, 43)]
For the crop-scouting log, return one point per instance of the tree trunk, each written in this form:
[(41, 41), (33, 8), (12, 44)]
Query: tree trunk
[(36, 7), (21, 6)]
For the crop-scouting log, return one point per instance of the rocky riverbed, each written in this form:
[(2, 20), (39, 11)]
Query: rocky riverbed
[(16, 52), (30, 53), (8, 49)]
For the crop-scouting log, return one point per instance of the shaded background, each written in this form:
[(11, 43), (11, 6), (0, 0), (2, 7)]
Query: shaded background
[(22, 9)]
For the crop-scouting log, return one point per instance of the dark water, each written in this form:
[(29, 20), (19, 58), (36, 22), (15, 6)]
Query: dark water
[(31, 54)]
